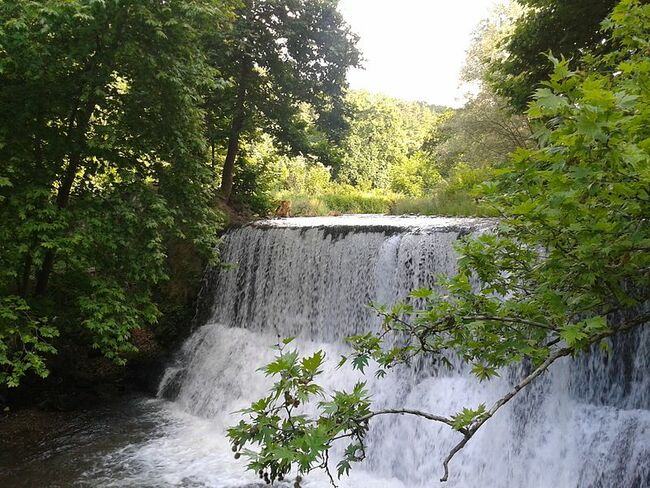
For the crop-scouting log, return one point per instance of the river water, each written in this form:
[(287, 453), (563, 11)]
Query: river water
[(584, 424)]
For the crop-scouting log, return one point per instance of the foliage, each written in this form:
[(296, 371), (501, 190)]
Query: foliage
[(256, 177), (385, 158), (489, 39), (266, 174), (570, 251), (384, 133), (415, 176), (381, 151), (484, 132), (23, 341), (287, 438), (102, 164), (564, 27), (458, 196), (304, 176), (278, 56), (354, 202), (339, 199)]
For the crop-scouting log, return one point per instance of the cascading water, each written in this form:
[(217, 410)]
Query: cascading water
[(586, 423), (580, 425)]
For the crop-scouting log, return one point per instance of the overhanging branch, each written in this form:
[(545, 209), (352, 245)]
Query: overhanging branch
[(417, 413), (468, 433), (509, 320)]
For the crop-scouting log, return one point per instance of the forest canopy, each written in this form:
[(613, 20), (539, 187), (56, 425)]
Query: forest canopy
[(120, 128), (103, 165)]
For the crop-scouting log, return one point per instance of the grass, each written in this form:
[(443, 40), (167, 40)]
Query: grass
[(445, 202), (339, 203)]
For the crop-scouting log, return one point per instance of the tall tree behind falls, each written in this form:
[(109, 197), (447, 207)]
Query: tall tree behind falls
[(277, 56)]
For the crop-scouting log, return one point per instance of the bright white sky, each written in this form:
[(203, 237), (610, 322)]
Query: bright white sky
[(414, 49)]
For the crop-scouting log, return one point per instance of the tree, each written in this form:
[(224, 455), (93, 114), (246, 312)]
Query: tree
[(384, 133), (484, 132), (377, 141), (416, 176), (278, 55), (102, 164), (567, 28), (570, 254)]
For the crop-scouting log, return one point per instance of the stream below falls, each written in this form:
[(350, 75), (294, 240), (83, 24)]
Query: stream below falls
[(586, 423)]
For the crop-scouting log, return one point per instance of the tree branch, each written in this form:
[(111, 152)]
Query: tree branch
[(468, 433), (559, 353), (417, 413), (509, 320)]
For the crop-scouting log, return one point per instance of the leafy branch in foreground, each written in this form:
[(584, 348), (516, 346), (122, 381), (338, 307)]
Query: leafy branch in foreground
[(567, 268), (288, 437)]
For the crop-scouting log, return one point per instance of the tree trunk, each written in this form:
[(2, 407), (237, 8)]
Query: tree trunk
[(63, 195), (212, 152), (236, 127), (99, 72), (23, 285), (62, 200)]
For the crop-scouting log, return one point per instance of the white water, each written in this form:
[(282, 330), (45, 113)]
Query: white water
[(584, 424)]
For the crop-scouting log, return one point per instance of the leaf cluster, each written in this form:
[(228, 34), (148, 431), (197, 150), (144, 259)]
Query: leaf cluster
[(566, 28), (286, 435), (102, 165)]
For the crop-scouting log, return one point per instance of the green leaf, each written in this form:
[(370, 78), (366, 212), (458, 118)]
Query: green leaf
[(314, 362), (548, 100), (421, 293), (360, 362)]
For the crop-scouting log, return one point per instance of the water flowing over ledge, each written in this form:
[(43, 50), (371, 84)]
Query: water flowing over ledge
[(379, 223)]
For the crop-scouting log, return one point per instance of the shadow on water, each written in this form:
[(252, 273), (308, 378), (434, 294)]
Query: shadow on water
[(131, 443), (64, 459)]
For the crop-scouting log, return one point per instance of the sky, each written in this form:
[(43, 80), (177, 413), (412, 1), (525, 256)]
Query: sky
[(414, 49)]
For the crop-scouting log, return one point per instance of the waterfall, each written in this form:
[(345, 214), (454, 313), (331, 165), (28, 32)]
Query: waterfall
[(586, 423)]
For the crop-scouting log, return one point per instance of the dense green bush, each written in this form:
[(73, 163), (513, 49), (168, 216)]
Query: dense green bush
[(103, 164), (415, 176), (459, 196), (253, 185)]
